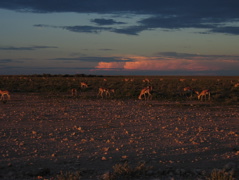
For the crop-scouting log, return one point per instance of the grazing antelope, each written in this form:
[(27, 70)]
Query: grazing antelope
[(109, 91), (146, 80), (83, 85), (4, 93), (74, 92), (236, 85), (204, 93), (182, 80), (145, 91), (105, 91)]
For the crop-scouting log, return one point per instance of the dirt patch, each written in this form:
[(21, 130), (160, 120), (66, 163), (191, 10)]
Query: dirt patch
[(41, 136)]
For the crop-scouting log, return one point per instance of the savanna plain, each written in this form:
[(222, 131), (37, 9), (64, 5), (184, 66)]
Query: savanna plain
[(48, 131)]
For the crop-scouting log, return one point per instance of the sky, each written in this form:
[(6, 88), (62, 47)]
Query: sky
[(119, 37)]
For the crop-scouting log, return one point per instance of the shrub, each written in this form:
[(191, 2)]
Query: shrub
[(217, 174), (69, 176), (125, 171)]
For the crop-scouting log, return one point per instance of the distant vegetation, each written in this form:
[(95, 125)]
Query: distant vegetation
[(126, 87)]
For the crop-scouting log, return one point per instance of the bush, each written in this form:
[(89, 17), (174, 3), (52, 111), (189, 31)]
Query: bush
[(217, 174), (69, 176)]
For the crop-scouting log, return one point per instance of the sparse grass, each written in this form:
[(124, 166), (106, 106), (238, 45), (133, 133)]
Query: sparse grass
[(217, 174), (125, 171), (69, 176), (170, 88)]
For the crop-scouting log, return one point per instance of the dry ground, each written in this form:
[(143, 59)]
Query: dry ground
[(41, 136)]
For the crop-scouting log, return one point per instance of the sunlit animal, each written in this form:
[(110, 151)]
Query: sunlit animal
[(4, 94), (204, 94), (83, 85), (74, 92), (145, 91)]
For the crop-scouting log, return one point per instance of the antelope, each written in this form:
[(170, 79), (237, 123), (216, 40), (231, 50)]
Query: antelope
[(105, 91), (74, 92), (236, 85), (145, 91), (83, 85), (204, 93), (146, 80), (108, 91), (4, 93)]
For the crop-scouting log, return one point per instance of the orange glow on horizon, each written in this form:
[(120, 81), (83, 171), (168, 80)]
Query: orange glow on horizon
[(160, 63)]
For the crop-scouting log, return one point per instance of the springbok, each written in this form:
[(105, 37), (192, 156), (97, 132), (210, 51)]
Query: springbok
[(204, 93), (3, 94), (83, 85), (74, 92), (145, 91)]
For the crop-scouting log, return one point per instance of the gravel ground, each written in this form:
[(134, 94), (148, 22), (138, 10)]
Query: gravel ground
[(40, 136)]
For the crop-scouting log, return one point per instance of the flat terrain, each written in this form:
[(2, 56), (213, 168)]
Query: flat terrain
[(44, 135)]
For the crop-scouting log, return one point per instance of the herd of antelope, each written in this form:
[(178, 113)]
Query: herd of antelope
[(205, 94), (145, 93), (103, 92)]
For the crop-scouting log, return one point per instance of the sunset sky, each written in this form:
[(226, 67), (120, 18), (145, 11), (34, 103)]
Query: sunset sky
[(119, 37)]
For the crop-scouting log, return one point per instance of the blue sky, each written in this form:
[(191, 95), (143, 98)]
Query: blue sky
[(117, 37)]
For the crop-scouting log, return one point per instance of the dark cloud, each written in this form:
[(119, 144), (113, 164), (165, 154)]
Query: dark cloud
[(175, 22), (29, 48), (210, 15), (202, 7), (4, 61), (86, 29), (227, 30), (106, 49), (95, 59), (106, 21), (78, 29), (190, 55), (131, 30)]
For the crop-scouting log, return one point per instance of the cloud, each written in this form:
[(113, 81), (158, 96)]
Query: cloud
[(111, 65), (227, 30), (29, 48), (130, 30), (211, 16), (78, 29), (106, 21), (172, 61), (3, 61), (213, 8), (175, 22), (106, 49), (8, 61), (177, 55), (95, 59), (85, 29)]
